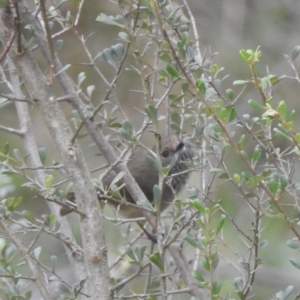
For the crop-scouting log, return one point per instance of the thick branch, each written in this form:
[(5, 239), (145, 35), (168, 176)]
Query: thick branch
[(31, 148), (91, 227)]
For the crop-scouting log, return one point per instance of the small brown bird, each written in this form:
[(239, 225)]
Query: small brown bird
[(142, 167)]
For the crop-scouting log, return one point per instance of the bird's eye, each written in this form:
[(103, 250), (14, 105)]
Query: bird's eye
[(165, 154)]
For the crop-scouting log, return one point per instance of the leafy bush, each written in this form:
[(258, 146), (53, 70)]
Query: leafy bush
[(232, 234)]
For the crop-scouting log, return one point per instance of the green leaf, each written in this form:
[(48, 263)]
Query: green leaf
[(65, 290), (63, 69), (49, 181), (118, 50), (221, 223), (256, 154), (127, 126), (164, 171), (17, 298), (17, 155), (263, 244), (205, 265), (237, 178), (152, 113), (283, 182), (232, 114), (6, 148), (281, 133), (136, 255), (157, 260), (223, 114), (37, 252), (216, 288), (244, 55), (58, 45), (224, 175), (288, 125), (28, 295), (53, 259), (282, 109), (140, 252), (3, 244), (183, 41), (123, 36), (184, 28), (201, 87), (12, 203), (214, 69), (166, 58), (288, 291), (42, 154), (51, 219), (294, 244), (131, 254), (103, 18), (204, 241), (198, 205), (80, 78), (244, 154), (215, 261), (295, 53), (7, 157), (241, 142), (198, 277), (242, 262), (172, 71), (284, 295), (230, 94), (254, 104), (156, 194), (192, 242), (117, 178), (293, 116), (28, 216), (295, 263), (238, 282), (240, 82), (270, 78), (126, 131), (273, 183), (109, 57), (90, 90)]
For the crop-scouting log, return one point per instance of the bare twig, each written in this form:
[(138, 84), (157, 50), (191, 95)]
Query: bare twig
[(30, 263)]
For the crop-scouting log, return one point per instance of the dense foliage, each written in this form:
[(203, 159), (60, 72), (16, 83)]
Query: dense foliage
[(233, 233)]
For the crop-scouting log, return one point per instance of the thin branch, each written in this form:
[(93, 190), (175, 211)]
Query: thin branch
[(129, 278), (149, 295), (30, 263), (195, 31), (47, 29), (79, 11), (185, 271), (13, 98), (17, 26), (8, 45), (16, 277), (11, 130), (77, 131)]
